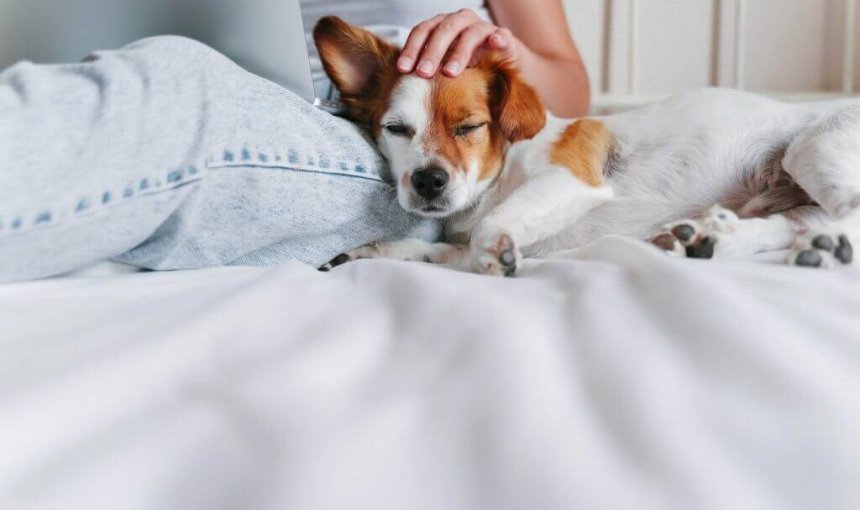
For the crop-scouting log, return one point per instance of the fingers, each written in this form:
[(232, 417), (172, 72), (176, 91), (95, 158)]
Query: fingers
[(440, 41), (415, 43), (466, 47), (430, 41), (501, 39), (460, 35)]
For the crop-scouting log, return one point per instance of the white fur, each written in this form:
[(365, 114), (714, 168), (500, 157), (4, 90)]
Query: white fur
[(409, 102), (675, 160)]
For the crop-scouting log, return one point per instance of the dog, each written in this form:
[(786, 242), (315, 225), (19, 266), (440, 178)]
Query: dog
[(712, 173)]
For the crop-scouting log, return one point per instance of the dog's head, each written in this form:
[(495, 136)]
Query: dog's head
[(444, 138)]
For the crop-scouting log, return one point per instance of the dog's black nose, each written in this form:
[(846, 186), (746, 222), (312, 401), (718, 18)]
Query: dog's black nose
[(429, 182)]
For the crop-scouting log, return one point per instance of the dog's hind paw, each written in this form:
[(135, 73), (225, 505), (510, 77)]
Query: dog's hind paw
[(496, 255), (696, 239), (817, 249)]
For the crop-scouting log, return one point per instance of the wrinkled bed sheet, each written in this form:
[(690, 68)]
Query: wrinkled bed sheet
[(611, 377)]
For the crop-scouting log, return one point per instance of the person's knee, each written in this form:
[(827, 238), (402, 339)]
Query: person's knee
[(170, 44), (177, 48)]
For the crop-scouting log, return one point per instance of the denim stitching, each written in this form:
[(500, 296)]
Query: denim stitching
[(57, 224), (176, 177), (273, 159)]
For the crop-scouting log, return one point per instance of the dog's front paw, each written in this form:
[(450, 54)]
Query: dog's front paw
[(496, 254), (821, 249), (369, 251)]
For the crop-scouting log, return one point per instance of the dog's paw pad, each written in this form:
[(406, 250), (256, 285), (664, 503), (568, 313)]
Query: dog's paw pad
[(505, 253), (702, 248), (823, 242), (686, 239), (697, 238), (809, 258), (821, 250), (677, 237), (507, 258), (844, 252), (500, 256), (666, 241), (684, 232)]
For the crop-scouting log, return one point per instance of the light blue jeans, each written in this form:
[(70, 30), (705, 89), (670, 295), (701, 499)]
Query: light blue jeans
[(167, 155)]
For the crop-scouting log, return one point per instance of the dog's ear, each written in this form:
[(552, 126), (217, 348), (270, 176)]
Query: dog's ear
[(516, 105), (352, 56)]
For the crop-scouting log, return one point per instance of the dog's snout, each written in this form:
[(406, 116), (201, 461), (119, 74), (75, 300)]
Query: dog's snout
[(430, 182)]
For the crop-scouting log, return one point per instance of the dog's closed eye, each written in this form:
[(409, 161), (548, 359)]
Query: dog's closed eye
[(399, 129), (466, 129)]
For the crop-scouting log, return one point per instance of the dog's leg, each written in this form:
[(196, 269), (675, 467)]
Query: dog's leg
[(719, 233), (825, 162), (406, 249), (544, 206)]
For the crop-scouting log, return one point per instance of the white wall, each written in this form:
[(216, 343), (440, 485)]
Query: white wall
[(788, 46)]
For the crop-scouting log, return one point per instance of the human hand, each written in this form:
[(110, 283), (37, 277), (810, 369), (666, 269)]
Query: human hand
[(453, 41)]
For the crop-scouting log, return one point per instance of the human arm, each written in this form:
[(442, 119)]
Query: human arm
[(533, 34)]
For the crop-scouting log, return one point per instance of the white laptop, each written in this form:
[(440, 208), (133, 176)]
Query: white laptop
[(266, 37)]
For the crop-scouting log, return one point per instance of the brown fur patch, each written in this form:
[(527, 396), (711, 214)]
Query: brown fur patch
[(493, 93), (583, 149), (361, 65), (460, 102), (518, 108), (767, 190)]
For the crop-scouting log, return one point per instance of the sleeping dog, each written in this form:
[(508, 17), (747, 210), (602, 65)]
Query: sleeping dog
[(714, 173)]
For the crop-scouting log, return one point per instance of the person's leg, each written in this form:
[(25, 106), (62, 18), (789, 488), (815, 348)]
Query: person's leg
[(167, 155)]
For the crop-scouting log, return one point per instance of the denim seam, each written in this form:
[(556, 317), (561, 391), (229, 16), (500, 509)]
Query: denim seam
[(292, 159), (178, 176), (89, 204)]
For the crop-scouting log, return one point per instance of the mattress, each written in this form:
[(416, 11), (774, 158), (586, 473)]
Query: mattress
[(610, 377)]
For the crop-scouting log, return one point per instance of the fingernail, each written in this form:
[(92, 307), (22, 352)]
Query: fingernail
[(405, 64), (501, 41), (426, 67), (452, 67)]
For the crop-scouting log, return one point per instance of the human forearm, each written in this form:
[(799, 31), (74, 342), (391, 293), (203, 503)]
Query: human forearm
[(561, 82)]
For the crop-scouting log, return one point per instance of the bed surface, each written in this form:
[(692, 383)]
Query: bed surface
[(611, 377)]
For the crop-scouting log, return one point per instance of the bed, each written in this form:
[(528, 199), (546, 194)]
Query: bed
[(610, 377)]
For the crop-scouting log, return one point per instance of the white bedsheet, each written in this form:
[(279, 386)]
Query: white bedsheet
[(612, 377)]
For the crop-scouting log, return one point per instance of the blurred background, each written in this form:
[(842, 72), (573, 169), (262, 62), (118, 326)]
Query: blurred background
[(637, 51), (51, 31)]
